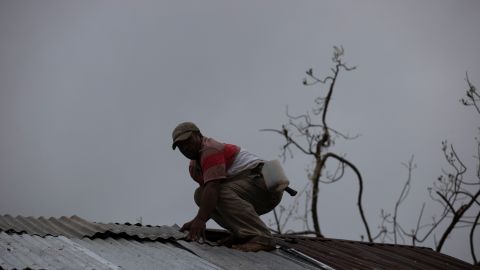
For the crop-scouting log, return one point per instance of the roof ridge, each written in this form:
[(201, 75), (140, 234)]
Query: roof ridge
[(77, 227), (324, 239)]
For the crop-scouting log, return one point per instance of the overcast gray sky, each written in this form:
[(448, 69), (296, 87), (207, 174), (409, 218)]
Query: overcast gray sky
[(91, 90)]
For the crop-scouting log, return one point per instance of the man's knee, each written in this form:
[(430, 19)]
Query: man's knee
[(225, 195), (197, 196)]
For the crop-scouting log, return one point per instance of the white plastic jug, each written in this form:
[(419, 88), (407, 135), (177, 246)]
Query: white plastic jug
[(274, 176)]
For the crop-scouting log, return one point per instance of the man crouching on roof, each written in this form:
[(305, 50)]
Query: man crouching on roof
[(231, 190)]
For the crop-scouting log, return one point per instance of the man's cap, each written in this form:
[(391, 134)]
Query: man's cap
[(182, 132)]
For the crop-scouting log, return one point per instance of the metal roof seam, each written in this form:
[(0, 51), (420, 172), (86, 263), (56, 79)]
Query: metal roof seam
[(178, 245), (132, 254), (307, 258), (237, 260), (89, 252)]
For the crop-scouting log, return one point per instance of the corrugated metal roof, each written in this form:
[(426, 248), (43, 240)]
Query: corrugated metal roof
[(76, 227), (70, 227), (19, 251), (132, 254), (234, 259), (34, 252), (51, 252), (144, 232), (82, 244)]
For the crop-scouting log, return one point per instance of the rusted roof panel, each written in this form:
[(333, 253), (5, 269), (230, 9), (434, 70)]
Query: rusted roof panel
[(344, 254), (76, 227)]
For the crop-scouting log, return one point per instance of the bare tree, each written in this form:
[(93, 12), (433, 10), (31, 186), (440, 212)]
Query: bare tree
[(294, 212), (310, 134), (457, 196), (313, 137), (391, 220)]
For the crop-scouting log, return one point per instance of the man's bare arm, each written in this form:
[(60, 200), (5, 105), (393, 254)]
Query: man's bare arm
[(208, 203)]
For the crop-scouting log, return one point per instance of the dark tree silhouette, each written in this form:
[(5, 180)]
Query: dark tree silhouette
[(457, 196), (313, 137)]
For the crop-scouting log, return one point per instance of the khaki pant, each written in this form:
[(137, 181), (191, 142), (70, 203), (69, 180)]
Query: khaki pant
[(240, 202)]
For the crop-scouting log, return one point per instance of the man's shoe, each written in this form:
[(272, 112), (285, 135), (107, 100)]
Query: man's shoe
[(227, 241)]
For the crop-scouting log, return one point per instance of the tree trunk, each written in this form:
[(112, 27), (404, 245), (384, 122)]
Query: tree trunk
[(316, 179)]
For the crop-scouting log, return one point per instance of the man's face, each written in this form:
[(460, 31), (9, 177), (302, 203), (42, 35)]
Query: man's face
[(190, 147)]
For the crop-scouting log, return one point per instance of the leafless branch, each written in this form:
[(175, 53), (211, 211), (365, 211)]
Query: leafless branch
[(337, 175), (472, 246), (469, 195), (360, 190), (317, 136), (403, 195), (472, 96), (414, 233), (284, 132), (447, 202), (277, 222), (457, 216), (300, 233), (287, 213)]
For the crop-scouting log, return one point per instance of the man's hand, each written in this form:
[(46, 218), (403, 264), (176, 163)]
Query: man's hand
[(186, 226), (196, 229)]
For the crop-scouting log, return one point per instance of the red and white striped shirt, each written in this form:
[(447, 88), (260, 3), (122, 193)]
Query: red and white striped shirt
[(215, 159)]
